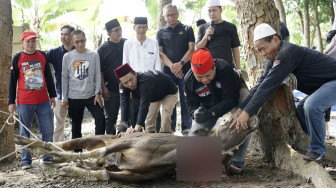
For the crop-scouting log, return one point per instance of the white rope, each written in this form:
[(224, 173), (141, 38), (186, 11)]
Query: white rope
[(17, 150), (87, 168), (16, 119)]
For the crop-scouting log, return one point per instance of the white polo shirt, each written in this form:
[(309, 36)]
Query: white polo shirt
[(142, 57)]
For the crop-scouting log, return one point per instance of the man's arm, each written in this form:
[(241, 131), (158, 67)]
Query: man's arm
[(203, 37), (236, 57), (124, 103), (126, 53), (157, 62), (192, 100), (65, 79), (14, 75)]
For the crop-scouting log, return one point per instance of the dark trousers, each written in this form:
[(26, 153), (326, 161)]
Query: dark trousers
[(112, 110), (76, 112)]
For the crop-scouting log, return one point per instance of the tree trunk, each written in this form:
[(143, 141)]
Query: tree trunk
[(161, 21), (334, 17), (279, 130), (317, 26), (282, 13), (306, 24), (6, 136), (299, 12)]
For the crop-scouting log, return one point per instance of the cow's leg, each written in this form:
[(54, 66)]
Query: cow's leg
[(96, 153), (125, 175), (88, 143)]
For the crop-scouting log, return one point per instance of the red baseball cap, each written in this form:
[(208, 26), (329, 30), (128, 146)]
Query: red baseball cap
[(28, 34), (201, 61)]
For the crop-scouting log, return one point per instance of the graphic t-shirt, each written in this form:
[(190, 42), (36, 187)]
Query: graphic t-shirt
[(31, 74)]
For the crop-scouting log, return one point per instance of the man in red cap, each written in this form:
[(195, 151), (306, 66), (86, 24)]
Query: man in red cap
[(30, 74), (153, 89), (212, 89)]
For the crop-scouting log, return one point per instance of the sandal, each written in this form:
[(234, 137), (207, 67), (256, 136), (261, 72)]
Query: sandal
[(235, 170)]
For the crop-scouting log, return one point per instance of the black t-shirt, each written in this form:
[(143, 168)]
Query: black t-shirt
[(152, 86), (311, 68), (175, 43), (222, 41), (110, 55), (220, 96)]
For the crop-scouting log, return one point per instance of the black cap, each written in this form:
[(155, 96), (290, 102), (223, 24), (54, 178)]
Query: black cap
[(140, 20), (111, 24), (200, 22)]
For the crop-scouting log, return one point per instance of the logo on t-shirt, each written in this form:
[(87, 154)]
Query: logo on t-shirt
[(203, 91), (33, 76), (81, 68), (276, 63)]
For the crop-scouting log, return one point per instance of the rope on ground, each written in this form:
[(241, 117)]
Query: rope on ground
[(87, 168), (17, 150), (16, 119)]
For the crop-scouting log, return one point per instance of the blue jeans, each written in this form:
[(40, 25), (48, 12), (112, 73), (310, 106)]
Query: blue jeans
[(185, 118), (310, 111), (45, 122)]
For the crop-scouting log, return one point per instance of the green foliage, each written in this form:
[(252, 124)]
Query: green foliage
[(152, 8)]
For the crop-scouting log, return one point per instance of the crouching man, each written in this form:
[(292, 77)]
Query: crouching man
[(154, 89), (212, 89), (315, 74)]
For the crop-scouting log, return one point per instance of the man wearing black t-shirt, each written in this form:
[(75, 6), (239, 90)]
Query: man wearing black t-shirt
[(110, 55), (219, 36)]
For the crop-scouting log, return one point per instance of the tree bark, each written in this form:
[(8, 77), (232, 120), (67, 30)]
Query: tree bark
[(6, 136), (317, 26), (279, 130), (281, 9), (306, 24), (161, 21)]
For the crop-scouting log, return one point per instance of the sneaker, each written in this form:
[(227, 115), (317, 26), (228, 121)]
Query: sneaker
[(47, 162), (26, 166), (313, 156)]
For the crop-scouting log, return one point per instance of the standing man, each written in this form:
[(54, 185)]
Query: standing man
[(81, 85), (219, 36), (31, 76), (153, 89), (315, 73), (142, 53), (213, 89), (177, 43), (55, 57), (110, 55)]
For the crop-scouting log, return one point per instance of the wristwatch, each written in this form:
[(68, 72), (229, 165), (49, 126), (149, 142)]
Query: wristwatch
[(182, 62)]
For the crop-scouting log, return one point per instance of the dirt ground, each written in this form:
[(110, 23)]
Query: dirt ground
[(257, 173)]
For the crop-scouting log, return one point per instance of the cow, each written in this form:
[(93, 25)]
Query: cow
[(132, 157)]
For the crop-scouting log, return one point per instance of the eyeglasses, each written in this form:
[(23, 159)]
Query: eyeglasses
[(80, 41), (171, 15), (116, 30)]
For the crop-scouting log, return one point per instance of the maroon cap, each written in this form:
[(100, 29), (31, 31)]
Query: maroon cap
[(28, 34), (122, 70)]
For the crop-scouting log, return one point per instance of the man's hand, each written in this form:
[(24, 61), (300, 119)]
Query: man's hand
[(236, 114), (11, 108), (241, 121), (176, 67), (203, 115), (179, 74), (52, 103), (98, 99), (209, 31), (65, 104), (238, 71), (106, 93)]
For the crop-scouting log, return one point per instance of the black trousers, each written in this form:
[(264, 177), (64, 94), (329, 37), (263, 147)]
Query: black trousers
[(112, 110), (76, 112)]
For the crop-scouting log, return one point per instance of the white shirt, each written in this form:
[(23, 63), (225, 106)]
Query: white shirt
[(142, 57)]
